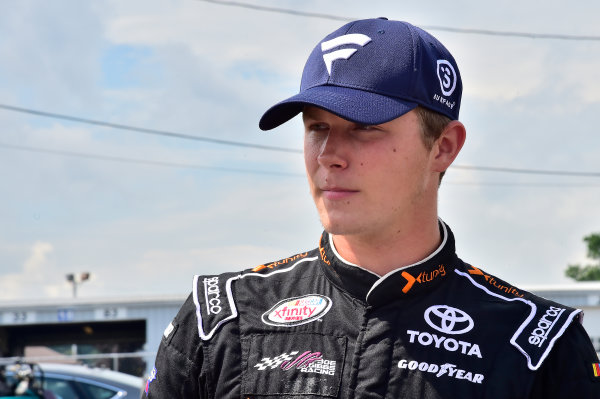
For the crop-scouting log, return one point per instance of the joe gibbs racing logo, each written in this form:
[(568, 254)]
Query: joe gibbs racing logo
[(295, 311)]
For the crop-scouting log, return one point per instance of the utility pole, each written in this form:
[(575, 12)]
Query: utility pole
[(76, 279)]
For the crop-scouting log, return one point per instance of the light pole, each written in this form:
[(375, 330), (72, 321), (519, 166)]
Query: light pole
[(77, 279)]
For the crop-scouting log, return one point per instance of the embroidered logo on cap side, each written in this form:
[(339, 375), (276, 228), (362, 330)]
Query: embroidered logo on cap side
[(448, 320), (447, 76), (342, 54), (295, 311)]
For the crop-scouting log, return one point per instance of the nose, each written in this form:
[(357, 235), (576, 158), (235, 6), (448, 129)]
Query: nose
[(332, 154)]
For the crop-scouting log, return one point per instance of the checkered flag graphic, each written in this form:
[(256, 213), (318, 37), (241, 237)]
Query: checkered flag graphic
[(275, 362)]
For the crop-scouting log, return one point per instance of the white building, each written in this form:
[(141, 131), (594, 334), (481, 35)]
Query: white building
[(142, 320)]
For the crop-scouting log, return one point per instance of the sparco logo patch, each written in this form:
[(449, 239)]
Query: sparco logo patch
[(295, 311), (448, 320), (439, 370), (544, 325), (212, 295)]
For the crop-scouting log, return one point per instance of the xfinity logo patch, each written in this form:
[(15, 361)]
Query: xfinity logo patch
[(448, 320), (423, 277), (295, 311), (342, 54)]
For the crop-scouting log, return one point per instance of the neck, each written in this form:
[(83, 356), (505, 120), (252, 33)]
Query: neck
[(383, 254)]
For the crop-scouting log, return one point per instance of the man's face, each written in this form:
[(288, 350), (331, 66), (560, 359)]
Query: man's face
[(367, 180)]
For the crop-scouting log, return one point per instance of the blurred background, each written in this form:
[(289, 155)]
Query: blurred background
[(130, 152)]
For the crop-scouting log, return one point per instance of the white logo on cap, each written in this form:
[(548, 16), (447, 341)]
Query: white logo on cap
[(447, 76), (343, 54)]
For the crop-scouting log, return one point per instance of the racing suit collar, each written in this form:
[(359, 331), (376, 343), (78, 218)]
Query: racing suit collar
[(401, 283)]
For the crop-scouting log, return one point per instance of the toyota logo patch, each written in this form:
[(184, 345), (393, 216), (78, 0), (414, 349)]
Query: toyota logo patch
[(448, 320)]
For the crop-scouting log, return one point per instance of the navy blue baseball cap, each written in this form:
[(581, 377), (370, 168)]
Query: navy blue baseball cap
[(372, 71)]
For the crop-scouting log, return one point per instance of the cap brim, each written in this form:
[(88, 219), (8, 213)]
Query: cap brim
[(351, 104)]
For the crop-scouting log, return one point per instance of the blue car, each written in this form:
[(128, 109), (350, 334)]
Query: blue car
[(65, 381)]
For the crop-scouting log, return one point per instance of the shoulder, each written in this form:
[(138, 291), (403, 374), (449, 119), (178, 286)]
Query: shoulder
[(571, 370), (216, 297), (540, 322)]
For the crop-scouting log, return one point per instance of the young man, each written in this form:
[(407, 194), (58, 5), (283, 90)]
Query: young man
[(383, 308)]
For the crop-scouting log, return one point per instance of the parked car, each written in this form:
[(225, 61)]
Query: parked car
[(66, 381)]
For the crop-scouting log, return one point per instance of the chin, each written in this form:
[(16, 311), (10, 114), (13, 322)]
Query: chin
[(340, 228)]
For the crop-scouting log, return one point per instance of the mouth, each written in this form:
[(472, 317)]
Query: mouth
[(337, 193)]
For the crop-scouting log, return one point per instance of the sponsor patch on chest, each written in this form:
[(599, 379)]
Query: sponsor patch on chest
[(291, 312), (293, 364), (446, 370)]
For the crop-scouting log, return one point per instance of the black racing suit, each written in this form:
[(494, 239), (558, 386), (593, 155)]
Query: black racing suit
[(314, 326)]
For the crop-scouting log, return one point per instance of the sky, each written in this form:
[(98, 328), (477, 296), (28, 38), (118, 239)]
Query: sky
[(145, 212)]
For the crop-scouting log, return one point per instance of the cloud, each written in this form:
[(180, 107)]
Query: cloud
[(38, 258), (55, 59), (37, 275), (211, 70)]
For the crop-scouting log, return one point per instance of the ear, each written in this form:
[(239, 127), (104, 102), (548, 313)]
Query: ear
[(448, 145)]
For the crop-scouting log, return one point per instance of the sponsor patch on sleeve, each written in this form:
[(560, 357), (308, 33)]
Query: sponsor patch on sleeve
[(596, 370), (151, 378), (214, 302), (546, 323)]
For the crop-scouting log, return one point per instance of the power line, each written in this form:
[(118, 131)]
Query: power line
[(518, 184), (143, 161), (288, 150), (145, 130), (279, 10), (264, 172), (298, 13), (528, 171)]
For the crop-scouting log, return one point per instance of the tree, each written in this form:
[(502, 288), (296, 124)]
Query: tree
[(587, 272)]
